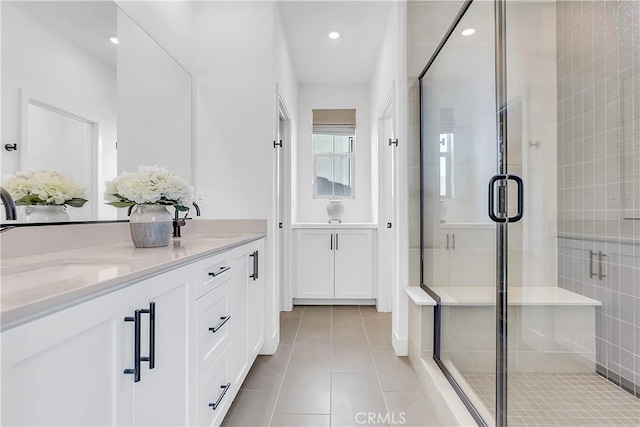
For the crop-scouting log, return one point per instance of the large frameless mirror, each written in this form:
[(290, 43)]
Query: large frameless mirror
[(87, 93)]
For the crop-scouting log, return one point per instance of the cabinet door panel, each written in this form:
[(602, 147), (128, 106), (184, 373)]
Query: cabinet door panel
[(314, 264), (238, 321), (161, 395), (353, 264), (256, 304), (67, 368), (472, 258)]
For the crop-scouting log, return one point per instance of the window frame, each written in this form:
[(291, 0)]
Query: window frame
[(333, 155)]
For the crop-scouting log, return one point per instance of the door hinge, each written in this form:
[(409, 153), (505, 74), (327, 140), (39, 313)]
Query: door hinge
[(280, 225), (393, 142), (389, 225), (277, 144)]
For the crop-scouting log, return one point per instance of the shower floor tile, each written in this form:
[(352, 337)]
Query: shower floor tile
[(543, 399)]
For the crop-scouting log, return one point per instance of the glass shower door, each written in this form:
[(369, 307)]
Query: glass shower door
[(458, 152), (572, 83)]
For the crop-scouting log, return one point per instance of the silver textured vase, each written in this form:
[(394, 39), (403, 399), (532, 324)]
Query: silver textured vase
[(151, 226)]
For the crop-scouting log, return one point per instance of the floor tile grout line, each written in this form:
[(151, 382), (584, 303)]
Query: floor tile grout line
[(286, 369), (373, 360)]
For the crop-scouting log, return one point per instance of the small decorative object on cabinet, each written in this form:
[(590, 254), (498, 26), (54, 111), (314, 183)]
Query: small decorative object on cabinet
[(151, 188), (335, 209), (46, 194)]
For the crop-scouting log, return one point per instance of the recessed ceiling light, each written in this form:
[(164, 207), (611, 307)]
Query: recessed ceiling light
[(468, 32), (113, 40), (334, 35)]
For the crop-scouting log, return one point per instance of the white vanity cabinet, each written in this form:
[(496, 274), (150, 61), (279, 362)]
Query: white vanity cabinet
[(199, 329), (66, 369), (69, 368), (334, 263), (160, 395)]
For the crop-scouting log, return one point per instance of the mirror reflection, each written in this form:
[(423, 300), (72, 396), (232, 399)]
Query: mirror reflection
[(86, 93)]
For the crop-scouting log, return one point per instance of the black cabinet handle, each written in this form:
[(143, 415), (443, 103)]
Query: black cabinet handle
[(224, 391), (152, 335), (219, 325), (222, 270), (254, 255), (337, 240), (136, 346), (331, 244)]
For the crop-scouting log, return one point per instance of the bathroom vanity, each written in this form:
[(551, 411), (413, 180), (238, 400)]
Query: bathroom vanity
[(113, 335)]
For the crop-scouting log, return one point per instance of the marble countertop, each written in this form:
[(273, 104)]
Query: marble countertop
[(34, 286)]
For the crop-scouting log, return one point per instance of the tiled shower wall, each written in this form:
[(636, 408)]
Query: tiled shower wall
[(598, 68)]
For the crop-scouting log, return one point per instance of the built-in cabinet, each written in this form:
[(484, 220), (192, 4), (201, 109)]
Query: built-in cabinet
[(334, 263), (172, 349), (465, 255)]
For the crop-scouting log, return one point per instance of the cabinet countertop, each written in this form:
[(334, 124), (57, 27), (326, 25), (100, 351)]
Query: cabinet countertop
[(334, 225), (38, 285)]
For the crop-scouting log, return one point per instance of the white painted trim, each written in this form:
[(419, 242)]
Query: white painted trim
[(25, 101), (385, 248), (271, 343), (400, 345), (333, 301)]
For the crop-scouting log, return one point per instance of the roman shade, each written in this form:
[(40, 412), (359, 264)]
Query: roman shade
[(334, 122)]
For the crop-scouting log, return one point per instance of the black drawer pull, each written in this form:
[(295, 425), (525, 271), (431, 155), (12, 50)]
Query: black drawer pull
[(219, 325), (224, 391), (222, 270)]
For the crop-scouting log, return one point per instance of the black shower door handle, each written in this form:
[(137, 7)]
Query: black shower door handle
[(492, 186)]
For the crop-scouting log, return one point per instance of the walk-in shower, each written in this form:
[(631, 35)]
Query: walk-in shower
[(530, 210)]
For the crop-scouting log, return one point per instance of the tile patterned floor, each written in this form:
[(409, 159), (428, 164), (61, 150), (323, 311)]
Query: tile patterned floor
[(542, 399), (334, 366)]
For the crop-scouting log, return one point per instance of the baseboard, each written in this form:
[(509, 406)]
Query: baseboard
[(333, 301), (400, 345), (271, 343)]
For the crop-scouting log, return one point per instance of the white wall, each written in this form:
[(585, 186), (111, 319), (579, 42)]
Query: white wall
[(154, 104), (311, 97), (51, 69), (170, 23), (239, 57), (388, 76)]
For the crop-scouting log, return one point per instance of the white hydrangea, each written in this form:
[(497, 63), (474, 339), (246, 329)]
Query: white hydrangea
[(149, 185), (44, 187)]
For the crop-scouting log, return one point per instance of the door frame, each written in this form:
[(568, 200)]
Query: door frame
[(282, 207), (386, 250), (25, 101)]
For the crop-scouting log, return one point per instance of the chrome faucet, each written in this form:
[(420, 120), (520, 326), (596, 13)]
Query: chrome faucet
[(179, 222), (9, 205)]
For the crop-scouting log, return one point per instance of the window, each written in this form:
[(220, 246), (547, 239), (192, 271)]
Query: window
[(334, 153), (446, 166)]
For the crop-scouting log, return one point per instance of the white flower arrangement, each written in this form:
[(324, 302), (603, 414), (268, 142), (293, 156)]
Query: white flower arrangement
[(44, 187), (150, 185)]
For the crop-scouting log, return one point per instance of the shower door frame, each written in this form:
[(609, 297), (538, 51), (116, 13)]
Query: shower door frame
[(501, 218)]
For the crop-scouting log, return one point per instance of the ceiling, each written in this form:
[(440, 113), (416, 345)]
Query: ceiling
[(88, 24), (348, 60)]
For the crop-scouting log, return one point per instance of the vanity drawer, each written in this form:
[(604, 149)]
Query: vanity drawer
[(212, 272), (214, 393), (212, 326)]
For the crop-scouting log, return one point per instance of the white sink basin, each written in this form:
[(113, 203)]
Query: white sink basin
[(32, 275)]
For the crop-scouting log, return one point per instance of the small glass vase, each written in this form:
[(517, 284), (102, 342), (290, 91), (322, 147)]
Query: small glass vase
[(151, 226), (46, 213)]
